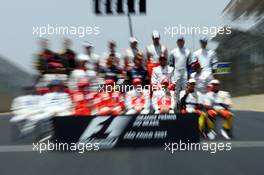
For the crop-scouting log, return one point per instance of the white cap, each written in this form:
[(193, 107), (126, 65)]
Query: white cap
[(204, 39), (214, 81), (82, 57), (133, 40), (180, 38), (155, 34), (112, 42), (87, 44), (191, 80)]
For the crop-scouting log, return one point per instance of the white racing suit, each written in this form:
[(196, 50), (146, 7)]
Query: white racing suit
[(54, 104), (23, 108), (159, 73), (153, 55), (137, 102), (218, 103), (190, 101), (80, 74), (163, 101), (207, 59), (154, 52), (220, 100), (180, 59), (202, 80)]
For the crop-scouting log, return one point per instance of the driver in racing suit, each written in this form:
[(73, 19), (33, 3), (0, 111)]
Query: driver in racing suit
[(163, 71), (49, 61), (109, 101), (43, 82), (93, 62), (111, 71), (131, 52), (206, 57), (218, 103), (154, 51), (54, 103), (202, 78), (116, 55), (68, 55), (81, 72), (181, 60), (191, 102), (137, 100), (163, 100), (23, 107), (137, 71), (82, 99)]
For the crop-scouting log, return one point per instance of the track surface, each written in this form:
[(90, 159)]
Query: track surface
[(243, 159)]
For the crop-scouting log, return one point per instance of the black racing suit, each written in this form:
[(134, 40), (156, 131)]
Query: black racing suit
[(111, 72), (137, 72), (68, 57), (49, 62)]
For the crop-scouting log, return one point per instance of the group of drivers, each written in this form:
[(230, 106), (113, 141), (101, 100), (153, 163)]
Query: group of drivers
[(158, 82)]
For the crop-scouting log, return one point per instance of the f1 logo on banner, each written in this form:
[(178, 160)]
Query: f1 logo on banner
[(104, 130), (130, 131)]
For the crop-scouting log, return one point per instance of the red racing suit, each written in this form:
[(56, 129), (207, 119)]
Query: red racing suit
[(109, 103), (137, 102), (163, 101), (82, 102)]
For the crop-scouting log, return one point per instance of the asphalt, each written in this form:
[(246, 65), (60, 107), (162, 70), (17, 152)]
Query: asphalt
[(249, 103), (245, 157)]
